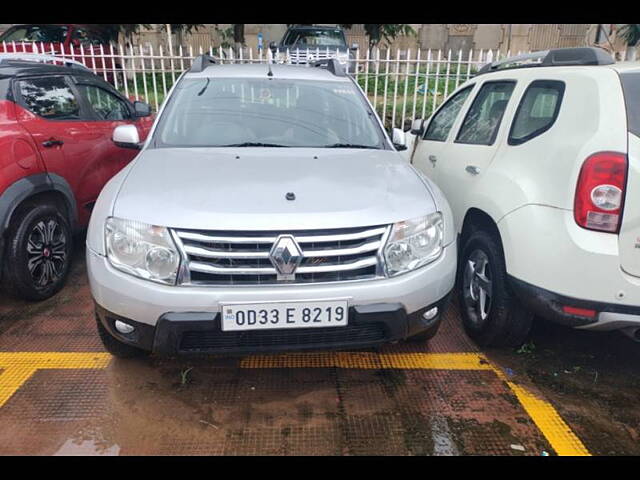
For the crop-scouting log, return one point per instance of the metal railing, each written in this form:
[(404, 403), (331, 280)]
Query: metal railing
[(401, 84)]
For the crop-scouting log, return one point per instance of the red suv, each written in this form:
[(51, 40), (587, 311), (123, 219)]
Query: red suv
[(56, 154), (71, 40)]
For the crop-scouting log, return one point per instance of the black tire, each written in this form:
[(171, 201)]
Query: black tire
[(117, 348), (37, 257), (499, 320)]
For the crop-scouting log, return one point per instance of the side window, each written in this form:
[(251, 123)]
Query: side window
[(442, 122), (86, 38), (105, 104), (482, 122), (50, 98), (537, 111)]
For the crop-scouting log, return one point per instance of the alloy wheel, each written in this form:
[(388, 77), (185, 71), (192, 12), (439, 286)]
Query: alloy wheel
[(46, 252), (477, 287)]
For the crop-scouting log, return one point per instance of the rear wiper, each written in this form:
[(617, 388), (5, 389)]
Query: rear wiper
[(349, 145), (254, 144)]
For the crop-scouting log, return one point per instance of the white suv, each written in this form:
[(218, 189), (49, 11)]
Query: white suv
[(267, 210), (539, 157)]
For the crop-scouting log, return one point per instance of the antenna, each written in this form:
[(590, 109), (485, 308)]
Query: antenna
[(269, 73)]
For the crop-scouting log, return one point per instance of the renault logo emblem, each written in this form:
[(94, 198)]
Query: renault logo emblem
[(285, 255)]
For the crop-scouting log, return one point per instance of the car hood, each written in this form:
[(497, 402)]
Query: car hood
[(246, 188)]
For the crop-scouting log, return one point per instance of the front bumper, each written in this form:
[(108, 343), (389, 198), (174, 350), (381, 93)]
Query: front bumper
[(145, 302), (200, 332), (157, 309)]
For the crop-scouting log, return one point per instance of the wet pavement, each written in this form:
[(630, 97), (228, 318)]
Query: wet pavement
[(564, 392)]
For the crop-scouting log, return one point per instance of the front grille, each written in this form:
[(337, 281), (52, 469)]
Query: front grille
[(214, 340), (242, 258), (302, 56)]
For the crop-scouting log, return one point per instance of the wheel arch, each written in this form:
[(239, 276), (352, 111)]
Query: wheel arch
[(478, 219), (40, 187)]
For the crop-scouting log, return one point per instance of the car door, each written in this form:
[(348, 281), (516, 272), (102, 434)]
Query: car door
[(108, 111), (475, 145), (51, 110), (431, 149)]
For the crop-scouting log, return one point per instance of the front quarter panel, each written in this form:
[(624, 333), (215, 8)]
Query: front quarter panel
[(103, 209)]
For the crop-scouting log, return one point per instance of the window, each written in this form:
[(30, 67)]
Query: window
[(87, 38), (35, 33), (105, 104), (314, 38), (216, 112), (631, 88), (480, 126), (442, 122), (50, 97), (537, 111)]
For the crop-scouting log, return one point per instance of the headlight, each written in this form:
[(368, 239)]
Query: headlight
[(414, 243), (146, 251)]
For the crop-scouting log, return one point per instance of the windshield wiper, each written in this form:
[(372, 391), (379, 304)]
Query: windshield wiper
[(254, 144), (350, 145)]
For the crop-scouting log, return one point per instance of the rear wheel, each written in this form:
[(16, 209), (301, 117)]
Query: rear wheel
[(38, 254), (491, 314)]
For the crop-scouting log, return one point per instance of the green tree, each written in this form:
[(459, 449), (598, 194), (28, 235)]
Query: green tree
[(630, 33), (387, 31)]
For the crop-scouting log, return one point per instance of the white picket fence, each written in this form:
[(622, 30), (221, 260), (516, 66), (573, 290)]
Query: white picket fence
[(402, 85)]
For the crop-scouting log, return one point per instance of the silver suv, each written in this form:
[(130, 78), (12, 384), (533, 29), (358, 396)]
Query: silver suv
[(267, 210)]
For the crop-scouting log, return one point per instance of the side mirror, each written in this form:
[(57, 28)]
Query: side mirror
[(399, 139), (417, 127), (354, 46), (141, 109), (126, 136)]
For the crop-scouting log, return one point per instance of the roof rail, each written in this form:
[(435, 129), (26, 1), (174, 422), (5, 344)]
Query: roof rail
[(552, 58), (39, 57), (201, 62), (332, 65)]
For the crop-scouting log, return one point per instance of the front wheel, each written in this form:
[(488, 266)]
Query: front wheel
[(38, 254), (492, 316)]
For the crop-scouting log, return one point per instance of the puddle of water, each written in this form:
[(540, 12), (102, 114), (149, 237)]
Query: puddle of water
[(86, 447)]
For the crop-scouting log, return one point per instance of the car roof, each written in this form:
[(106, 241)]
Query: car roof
[(314, 27), (256, 70), (12, 68)]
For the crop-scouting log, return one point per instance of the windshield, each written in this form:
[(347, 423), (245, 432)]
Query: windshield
[(217, 112), (35, 33), (314, 38)]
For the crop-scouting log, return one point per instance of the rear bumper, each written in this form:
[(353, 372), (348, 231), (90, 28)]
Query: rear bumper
[(200, 332), (549, 305)]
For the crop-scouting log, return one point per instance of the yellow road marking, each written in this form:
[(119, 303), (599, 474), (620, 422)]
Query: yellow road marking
[(17, 367)]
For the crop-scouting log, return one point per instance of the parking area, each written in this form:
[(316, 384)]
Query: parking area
[(564, 392)]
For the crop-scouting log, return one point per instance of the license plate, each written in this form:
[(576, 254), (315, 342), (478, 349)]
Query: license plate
[(265, 316)]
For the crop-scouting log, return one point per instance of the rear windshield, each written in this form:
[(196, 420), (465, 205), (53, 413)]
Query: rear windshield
[(631, 88)]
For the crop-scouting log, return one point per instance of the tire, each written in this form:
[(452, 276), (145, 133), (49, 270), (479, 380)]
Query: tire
[(117, 348), (491, 314), (38, 254)]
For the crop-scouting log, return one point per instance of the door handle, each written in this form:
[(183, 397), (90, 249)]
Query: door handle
[(433, 159), (472, 169), (52, 143)]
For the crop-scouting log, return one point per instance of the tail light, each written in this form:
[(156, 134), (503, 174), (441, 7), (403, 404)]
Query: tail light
[(600, 192)]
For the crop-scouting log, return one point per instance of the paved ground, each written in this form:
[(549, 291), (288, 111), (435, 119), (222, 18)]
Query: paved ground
[(565, 392)]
